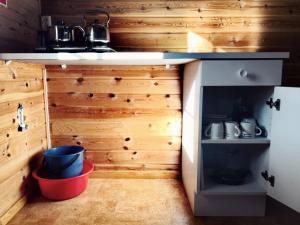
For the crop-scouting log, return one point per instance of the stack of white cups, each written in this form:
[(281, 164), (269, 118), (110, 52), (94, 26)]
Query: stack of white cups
[(232, 130)]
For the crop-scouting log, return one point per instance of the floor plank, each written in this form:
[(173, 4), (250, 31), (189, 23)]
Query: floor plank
[(136, 202)]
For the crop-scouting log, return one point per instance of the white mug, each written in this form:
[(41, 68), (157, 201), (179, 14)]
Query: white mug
[(249, 120), (215, 131), (232, 130), (250, 129)]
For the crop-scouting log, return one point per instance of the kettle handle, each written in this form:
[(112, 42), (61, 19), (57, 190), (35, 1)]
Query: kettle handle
[(95, 12), (80, 28)]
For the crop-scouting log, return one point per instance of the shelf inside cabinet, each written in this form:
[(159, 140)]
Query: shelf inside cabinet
[(259, 141), (248, 188)]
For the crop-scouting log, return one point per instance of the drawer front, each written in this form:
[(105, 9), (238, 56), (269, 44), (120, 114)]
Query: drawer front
[(241, 73)]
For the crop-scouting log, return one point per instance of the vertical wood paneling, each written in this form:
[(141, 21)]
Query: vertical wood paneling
[(128, 118), (19, 84), (196, 25), (19, 23)]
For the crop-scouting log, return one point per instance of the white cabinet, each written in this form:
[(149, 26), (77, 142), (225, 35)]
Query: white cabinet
[(275, 151)]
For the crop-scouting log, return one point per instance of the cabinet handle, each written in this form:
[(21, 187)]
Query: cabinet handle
[(243, 73), (270, 179), (275, 104)]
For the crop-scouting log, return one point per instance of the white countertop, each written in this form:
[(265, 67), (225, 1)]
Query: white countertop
[(133, 58)]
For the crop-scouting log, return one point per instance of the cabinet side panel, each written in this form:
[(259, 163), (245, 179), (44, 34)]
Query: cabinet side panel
[(190, 132)]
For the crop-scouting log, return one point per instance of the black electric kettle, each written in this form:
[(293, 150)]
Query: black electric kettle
[(59, 32), (97, 33), (62, 33)]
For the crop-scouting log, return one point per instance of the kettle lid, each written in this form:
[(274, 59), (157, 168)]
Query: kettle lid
[(61, 22)]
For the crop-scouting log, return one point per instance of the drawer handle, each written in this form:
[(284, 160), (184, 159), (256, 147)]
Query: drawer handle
[(243, 73)]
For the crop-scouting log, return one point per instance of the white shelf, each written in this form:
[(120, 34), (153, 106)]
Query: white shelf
[(133, 58), (249, 188), (264, 141)]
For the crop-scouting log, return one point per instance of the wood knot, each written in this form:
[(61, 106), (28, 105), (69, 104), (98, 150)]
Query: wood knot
[(53, 105), (134, 153), (156, 83), (26, 84), (127, 139), (78, 142), (128, 100), (167, 96), (91, 95), (112, 95), (170, 143), (118, 78), (148, 95), (125, 147), (80, 80)]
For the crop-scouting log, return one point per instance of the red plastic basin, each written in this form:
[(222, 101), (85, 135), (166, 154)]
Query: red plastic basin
[(62, 189)]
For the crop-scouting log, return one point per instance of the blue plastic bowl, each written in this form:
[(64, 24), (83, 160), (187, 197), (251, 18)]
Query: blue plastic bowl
[(63, 161)]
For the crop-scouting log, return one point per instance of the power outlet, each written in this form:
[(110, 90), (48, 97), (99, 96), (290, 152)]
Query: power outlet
[(46, 21)]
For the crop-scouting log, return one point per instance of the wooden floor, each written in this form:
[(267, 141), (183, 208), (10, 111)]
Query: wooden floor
[(135, 202)]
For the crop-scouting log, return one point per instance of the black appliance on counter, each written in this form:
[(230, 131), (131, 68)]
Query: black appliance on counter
[(94, 37), (74, 48)]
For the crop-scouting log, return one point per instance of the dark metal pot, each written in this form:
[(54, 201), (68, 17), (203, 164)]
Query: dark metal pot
[(98, 32)]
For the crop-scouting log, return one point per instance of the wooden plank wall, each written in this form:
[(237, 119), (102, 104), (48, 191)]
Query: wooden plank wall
[(127, 117), (19, 84), (19, 25), (196, 25)]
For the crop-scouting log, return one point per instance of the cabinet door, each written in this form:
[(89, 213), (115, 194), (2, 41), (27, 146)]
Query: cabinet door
[(284, 162)]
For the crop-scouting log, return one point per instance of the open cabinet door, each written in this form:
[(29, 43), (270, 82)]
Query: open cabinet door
[(284, 161)]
